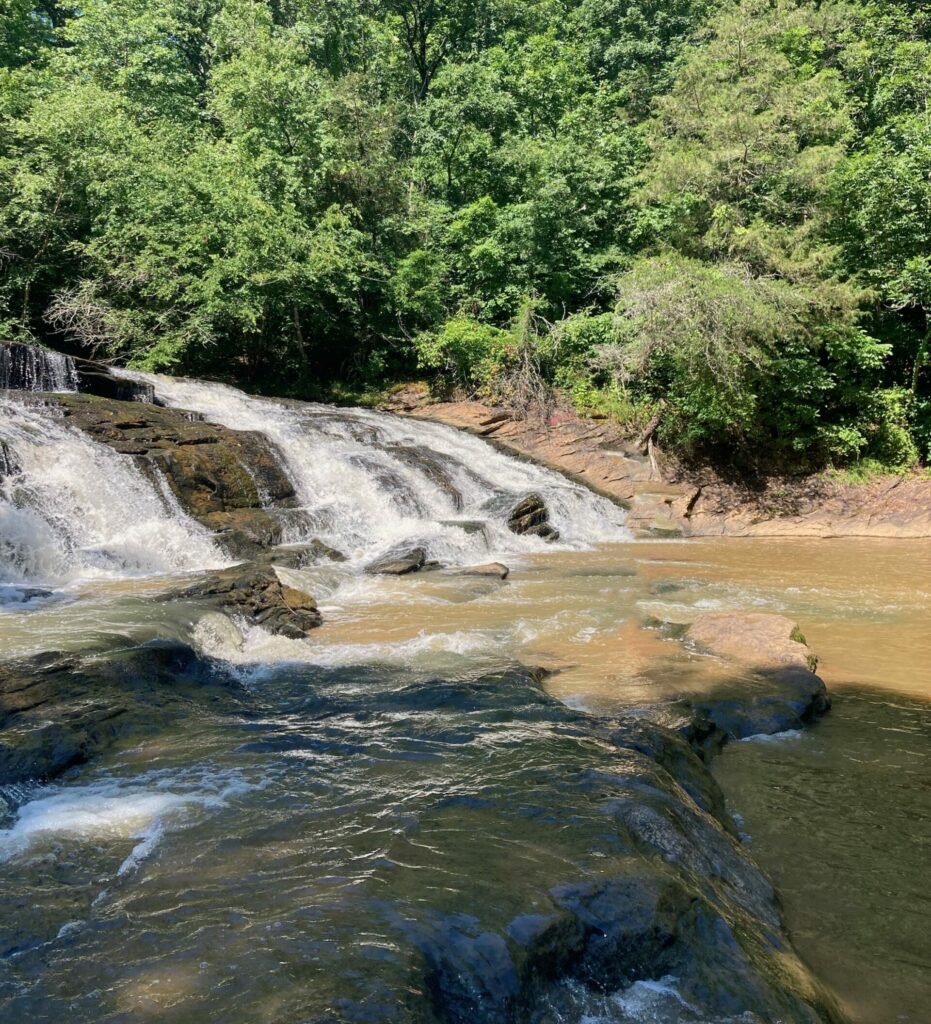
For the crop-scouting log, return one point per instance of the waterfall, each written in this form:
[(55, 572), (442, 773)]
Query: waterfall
[(371, 482), (27, 368), (71, 508)]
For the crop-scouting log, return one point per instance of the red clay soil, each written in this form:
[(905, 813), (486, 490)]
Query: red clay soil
[(598, 454)]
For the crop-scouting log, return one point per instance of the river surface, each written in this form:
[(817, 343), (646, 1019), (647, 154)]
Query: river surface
[(246, 864)]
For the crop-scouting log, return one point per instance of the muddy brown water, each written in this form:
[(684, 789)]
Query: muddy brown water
[(839, 816)]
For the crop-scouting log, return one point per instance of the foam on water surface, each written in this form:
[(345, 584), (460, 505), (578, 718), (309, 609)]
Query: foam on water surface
[(112, 811), (74, 509)]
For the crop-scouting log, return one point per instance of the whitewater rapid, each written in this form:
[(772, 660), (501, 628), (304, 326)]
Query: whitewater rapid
[(72, 509), (371, 482)]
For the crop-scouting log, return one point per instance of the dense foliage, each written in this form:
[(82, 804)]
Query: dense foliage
[(718, 209)]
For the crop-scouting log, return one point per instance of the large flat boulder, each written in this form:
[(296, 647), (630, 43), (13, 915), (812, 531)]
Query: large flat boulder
[(759, 639), (774, 687)]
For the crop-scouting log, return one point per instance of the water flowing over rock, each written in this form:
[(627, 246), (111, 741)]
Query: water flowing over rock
[(72, 508), (231, 481), (371, 484), (30, 368), (622, 867), (256, 594), (374, 844)]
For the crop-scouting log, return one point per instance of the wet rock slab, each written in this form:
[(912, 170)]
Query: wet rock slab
[(775, 687), (59, 711), (510, 860), (232, 481)]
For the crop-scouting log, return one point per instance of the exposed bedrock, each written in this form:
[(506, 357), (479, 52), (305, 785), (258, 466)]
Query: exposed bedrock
[(232, 481), (256, 594), (619, 864), (770, 687), (668, 891), (662, 502)]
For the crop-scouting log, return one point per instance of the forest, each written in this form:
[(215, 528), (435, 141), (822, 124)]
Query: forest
[(715, 213)]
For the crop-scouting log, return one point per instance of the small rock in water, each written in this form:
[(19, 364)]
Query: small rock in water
[(493, 569), (399, 563), (530, 517), (298, 556)]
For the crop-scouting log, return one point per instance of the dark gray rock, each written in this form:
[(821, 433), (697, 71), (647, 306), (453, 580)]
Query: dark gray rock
[(59, 711), (31, 368), (530, 516), (399, 562), (298, 556), (430, 465)]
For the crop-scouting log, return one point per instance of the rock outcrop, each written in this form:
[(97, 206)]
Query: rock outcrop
[(256, 594), (772, 687), (663, 501), (232, 481), (58, 711), (32, 368), (531, 517)]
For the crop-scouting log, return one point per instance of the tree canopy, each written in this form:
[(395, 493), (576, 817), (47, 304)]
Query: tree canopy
[(719, 206)]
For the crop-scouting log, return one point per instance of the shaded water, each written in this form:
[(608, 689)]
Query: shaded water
[(390, 787)]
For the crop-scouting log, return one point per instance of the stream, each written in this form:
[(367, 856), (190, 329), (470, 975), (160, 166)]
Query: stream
[(396, 788)]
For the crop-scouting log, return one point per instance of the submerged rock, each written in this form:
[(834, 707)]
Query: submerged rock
[(595, 855), (58, 711), (489, 569)]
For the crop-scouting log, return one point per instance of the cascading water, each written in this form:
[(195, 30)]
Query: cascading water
[(27, 368), (384, 821), (371, 482), (71, 508)]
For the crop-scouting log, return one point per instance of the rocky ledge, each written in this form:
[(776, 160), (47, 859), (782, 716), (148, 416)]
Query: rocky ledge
[(232, 481), (770, 684), (662, 501), (58, 711), (641, 876)]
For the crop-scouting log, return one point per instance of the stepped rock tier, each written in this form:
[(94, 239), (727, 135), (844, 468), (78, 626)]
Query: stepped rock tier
[(226, 791)]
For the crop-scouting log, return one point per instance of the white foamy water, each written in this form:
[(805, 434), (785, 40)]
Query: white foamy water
[(142, 809), (71, 509), (371, 481)]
